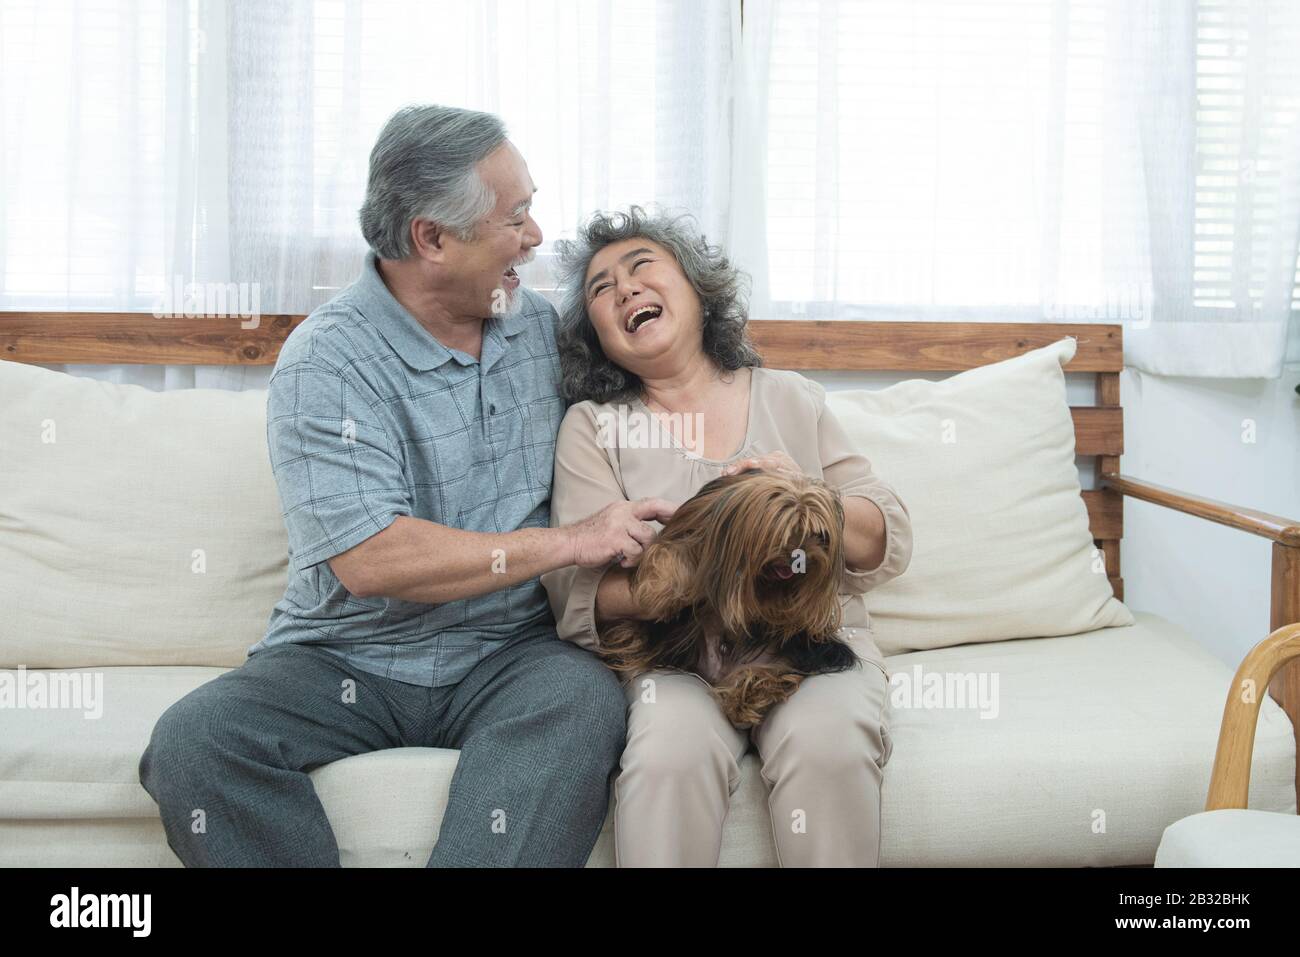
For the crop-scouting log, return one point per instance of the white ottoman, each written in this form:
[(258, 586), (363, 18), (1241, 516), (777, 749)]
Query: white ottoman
[(1231, 837)]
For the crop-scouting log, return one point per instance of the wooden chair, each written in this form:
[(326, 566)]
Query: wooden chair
[(108, 338)]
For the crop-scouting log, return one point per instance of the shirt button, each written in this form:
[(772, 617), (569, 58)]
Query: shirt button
[(492, 410)]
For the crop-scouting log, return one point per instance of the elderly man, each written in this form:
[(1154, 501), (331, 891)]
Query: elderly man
[(412, 423)]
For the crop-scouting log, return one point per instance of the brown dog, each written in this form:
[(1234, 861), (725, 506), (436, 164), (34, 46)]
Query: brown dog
[(750, 566)]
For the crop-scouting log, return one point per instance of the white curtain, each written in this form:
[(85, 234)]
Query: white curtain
[(163, 143), (1119, 160), (1133, 161)]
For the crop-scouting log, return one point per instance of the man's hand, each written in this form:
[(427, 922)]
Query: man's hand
[(618, 532)]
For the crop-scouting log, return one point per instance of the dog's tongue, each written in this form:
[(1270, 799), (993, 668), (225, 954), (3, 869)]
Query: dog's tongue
[(784, 571)]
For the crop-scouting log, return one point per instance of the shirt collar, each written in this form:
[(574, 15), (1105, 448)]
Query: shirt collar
[(416, 346)]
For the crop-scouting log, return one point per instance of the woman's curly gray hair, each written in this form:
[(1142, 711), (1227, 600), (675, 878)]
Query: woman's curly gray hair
[(585, 371)]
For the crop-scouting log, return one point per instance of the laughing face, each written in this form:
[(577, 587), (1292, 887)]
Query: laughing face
[(505, 238), (644, 309)]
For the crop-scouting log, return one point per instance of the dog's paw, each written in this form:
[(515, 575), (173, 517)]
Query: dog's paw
[(747, 694)]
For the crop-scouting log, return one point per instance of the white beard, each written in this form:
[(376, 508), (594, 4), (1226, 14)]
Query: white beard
[(514, 304)]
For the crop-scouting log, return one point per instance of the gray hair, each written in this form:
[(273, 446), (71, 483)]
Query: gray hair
[(585, 371), (423, 166)]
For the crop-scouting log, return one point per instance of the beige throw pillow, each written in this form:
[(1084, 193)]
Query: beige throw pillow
[(984, 461), (136, 527)]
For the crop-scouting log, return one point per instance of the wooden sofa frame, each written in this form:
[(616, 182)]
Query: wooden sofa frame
[(109, 338)]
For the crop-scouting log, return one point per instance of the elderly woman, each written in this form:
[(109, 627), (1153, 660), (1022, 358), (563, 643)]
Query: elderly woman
[(653, 326)]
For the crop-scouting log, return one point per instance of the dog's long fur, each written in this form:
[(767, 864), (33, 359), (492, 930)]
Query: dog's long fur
[(716, 568)]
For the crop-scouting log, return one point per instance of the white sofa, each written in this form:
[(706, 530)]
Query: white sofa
[(140, 540), (1121, 721)]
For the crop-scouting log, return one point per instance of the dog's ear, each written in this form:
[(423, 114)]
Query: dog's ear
[(664, 581), (819, 657), (624, 646), (816, 608)]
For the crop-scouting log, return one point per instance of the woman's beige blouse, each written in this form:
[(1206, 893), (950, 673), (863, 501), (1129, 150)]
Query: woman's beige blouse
[(787, 412)]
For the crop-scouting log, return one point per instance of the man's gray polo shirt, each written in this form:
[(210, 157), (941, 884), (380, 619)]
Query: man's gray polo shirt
[(368, 418)]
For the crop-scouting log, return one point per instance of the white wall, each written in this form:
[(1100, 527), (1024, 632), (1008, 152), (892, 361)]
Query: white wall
[(1189, 434)]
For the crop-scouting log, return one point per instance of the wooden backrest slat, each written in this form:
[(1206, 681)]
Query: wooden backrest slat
[(928, 346), (109, 338), (1105, 516), (133, 337), (1098, 431), (129, 337)]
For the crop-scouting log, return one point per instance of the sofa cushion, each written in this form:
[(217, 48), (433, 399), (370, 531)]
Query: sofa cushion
[(1100, 741), (70, 793), (136, 527), (61, 763), (985, 462), (1231, 837)]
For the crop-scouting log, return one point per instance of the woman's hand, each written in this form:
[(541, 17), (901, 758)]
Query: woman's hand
[(770, 462), (864, 522)]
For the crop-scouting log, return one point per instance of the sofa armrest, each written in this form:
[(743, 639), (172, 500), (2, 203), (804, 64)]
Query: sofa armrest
[(1230, 779), (1284, 533)]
